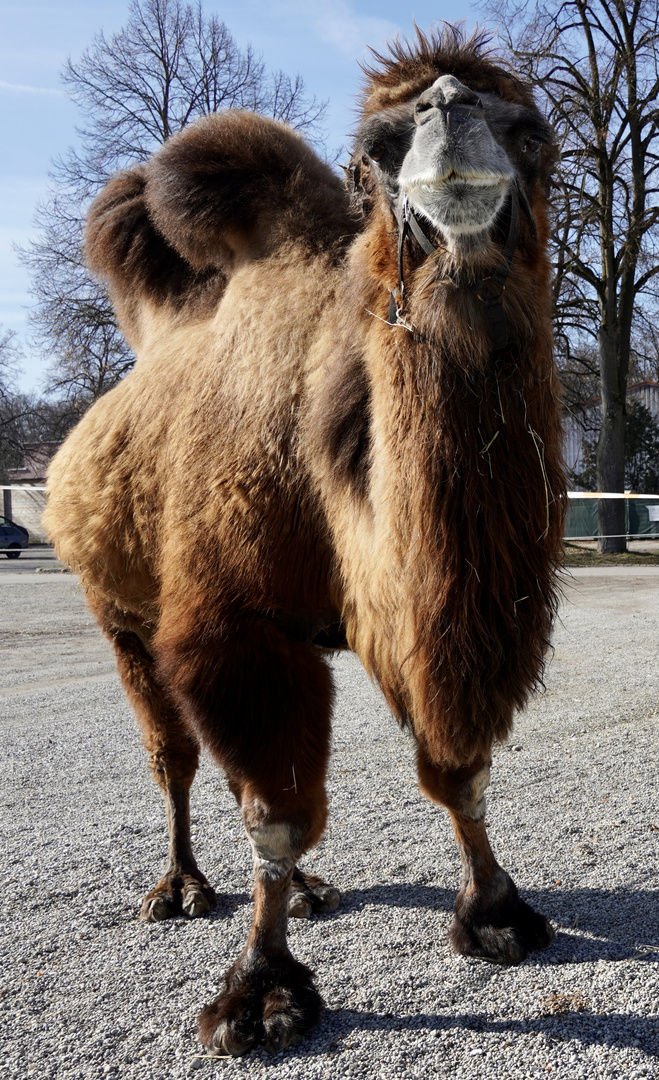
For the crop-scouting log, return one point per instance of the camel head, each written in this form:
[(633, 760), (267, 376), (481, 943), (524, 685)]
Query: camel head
[(452, 139)]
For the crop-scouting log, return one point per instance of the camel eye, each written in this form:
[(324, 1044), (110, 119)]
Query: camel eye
[(531, 145)]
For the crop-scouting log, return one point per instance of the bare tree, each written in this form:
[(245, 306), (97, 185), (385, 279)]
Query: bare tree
[(72, 320), (595, 64), (25, 418), (170, 64), (13, 406)]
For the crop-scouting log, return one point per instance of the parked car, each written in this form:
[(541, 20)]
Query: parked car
[(13, 538)]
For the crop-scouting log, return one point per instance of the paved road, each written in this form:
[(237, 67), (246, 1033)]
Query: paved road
[(89, 991), (35, 557)]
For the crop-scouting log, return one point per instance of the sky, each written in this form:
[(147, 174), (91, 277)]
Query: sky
[(322, 40)]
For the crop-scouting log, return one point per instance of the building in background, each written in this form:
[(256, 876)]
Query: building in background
[(581, 424), (26, 507)]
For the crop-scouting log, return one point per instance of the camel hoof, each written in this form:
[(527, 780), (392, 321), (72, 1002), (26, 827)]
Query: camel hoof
[(328, 897), (299, 906), (197, 899), (178, 894), (267, 1000), (504, 931), (310, 895), (157, 908)]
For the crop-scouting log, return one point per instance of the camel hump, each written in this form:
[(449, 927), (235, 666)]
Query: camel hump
[(230, 187), (240, 184), (123, 246)]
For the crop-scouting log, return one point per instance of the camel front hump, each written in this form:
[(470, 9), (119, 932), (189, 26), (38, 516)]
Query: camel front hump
[(342, 427)]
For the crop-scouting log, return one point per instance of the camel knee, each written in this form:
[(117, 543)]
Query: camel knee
[(172, 761), (275, 848), (278, 844), (461, 790)]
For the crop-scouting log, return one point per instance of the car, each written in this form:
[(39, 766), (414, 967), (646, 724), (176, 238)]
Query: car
[(13, 538)]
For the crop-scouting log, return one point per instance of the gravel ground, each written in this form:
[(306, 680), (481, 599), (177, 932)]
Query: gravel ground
[(89, 991)]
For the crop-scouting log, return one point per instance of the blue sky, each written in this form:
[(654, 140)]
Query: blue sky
[(323, 40)]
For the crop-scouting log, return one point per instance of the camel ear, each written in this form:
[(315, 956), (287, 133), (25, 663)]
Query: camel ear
[(359, 184)]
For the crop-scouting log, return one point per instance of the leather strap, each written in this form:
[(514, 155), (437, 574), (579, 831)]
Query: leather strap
[(490, 289)]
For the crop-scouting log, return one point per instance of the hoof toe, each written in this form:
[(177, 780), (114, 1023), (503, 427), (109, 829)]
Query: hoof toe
[(157, 908), (226, 1039), (197, 900), (329, 897), (299, 906), (283, 1020)]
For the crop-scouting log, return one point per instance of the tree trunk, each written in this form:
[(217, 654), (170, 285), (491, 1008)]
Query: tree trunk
[(611, 448)]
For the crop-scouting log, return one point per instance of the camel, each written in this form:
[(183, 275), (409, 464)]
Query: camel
[(342, 431)]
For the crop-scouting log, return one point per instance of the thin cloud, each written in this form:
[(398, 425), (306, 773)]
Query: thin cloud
[(341, 26), (20, 89), (348, 30)]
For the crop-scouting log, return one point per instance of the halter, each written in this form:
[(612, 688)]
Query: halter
[(489, 289)]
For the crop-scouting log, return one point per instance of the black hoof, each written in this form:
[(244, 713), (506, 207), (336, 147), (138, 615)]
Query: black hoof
[(268, 1000), (178, 894), (310, 895), (500, 927)]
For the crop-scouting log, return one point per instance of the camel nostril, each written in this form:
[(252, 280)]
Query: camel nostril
[(465, 102), (421, 109)]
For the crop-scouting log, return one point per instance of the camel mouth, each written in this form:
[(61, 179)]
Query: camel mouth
[(456, 178), (459, 202)]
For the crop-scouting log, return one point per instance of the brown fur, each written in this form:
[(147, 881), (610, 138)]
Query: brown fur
[(411, 67), (282, 466)]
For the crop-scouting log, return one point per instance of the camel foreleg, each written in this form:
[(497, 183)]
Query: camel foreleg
[(261, 702), (490, 921), (268, 996)]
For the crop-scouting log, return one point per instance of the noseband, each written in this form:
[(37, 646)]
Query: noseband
[(490, 289)]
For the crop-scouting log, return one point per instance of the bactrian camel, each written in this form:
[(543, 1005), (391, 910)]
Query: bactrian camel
[(342, 430)]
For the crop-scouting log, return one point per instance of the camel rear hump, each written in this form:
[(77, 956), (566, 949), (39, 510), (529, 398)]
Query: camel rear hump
[(228, 189)]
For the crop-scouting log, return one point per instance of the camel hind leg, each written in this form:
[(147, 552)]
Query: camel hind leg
[(490, 921), (173, 758)]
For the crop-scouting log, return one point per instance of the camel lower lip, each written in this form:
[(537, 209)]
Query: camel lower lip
[(456, 179)]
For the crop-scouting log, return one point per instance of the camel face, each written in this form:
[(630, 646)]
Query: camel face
[(453, 153), (455, 173)]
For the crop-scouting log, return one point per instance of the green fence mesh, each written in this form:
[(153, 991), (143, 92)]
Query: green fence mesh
[(641, 517)]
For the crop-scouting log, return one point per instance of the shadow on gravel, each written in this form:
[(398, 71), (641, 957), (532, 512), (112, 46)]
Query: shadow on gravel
[(227, 904), (401, 895), (605, 1029), (626, 923)]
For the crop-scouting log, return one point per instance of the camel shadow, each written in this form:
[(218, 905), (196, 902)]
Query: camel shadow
[(612, 1030), (400, 895), (625, 922)]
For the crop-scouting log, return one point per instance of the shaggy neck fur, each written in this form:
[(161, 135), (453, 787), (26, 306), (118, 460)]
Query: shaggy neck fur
[(465, 496)]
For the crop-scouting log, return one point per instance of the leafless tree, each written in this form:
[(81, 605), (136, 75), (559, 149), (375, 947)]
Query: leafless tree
[(170, 64), (13, 406), (25, 418), (595, 62)]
